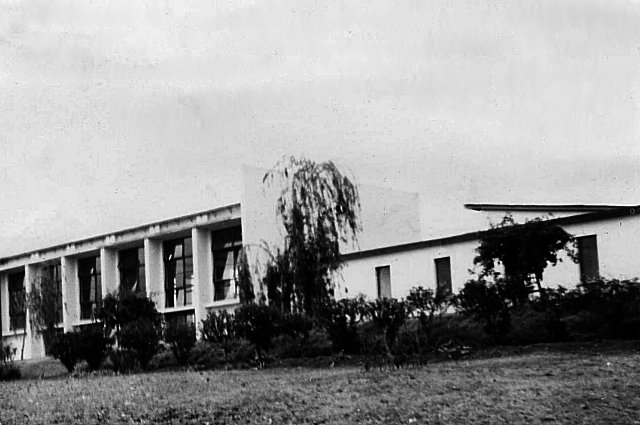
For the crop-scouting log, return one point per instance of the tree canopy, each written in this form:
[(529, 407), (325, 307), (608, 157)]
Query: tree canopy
[(524, 250), (319, 207)]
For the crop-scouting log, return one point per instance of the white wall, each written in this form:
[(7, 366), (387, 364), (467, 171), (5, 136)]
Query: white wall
[(618, 254), (408, 269), (388, 217)]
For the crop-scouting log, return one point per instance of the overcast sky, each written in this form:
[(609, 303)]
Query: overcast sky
[(114, 114)]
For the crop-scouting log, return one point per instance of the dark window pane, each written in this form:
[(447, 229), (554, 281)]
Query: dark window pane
[(443, 276), (383, 276), (588, 257)]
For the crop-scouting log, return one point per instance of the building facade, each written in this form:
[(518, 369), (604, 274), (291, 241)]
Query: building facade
[(188, 265)]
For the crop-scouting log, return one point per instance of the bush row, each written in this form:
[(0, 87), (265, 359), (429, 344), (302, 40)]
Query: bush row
[(422, 325)]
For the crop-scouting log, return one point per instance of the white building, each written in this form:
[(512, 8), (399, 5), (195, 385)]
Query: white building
[(187, 265)]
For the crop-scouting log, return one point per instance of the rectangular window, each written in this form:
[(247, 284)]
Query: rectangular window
[(383, 278), (181, 318), (588, 257), (443, 276), (178, 272), (17, 310), (52, 275), (90, 286), (131, 266), (226, 246)]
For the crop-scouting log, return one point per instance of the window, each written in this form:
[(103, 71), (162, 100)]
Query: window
[(52, 275), (443, 276), (17, 311), (90, 286), (226, 246), (588, 257), (181, 318), (383, 277), (131, 266), (178, 271)]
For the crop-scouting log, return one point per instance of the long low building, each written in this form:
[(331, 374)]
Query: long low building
[(187, 265)]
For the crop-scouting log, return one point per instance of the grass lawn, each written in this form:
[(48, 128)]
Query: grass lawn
[(568, 383)]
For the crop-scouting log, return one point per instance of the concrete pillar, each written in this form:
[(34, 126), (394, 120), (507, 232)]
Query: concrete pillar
[(154, 271), (4, 303), (70, 293), (109, 270), (202, 271), (34, 345)]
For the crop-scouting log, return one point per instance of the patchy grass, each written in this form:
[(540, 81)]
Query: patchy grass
[(568, 383)]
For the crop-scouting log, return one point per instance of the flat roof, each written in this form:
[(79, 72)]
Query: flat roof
[(143, 227), (547, 207), (598, 214)]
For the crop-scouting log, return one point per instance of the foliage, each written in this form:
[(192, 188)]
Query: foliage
[(123, 361), (487, 302), (181, 336), (524, 250), (136, 324), (258, 323), (219, 328), (605, 308), (8, 370), (388, 315), (340, 319), (277, 280), (296, 325), (93, 344), (120, 308), (428, 308), (245, 282), (319, 207), (66, 348), (44, 303), (140, 336)]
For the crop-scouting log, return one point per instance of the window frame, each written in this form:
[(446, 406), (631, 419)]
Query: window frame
[(379, 269), (235, 233), (580, 240), (93, 277), (449, 288), (54, 272), (17, 300), (170, 263), (137, 267)]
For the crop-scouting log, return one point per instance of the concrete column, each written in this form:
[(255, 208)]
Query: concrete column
[(34, 345), (4, 303), (109, 270), (154, 271), (70, 293), (202, 271)]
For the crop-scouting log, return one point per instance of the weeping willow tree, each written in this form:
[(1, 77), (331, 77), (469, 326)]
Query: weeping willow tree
[(319, 207)]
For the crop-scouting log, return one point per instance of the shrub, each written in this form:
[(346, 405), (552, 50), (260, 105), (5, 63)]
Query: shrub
[(604, 308), (65, 347), (340, 319), (387, 316), (219, 328), (296, 325), (181, 336), (428, 309), (123, 361), (141, 337), (8, 370), (259, 325), (488, 302), (136, 324), (118, 309), (531, 325), (93, 344)]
